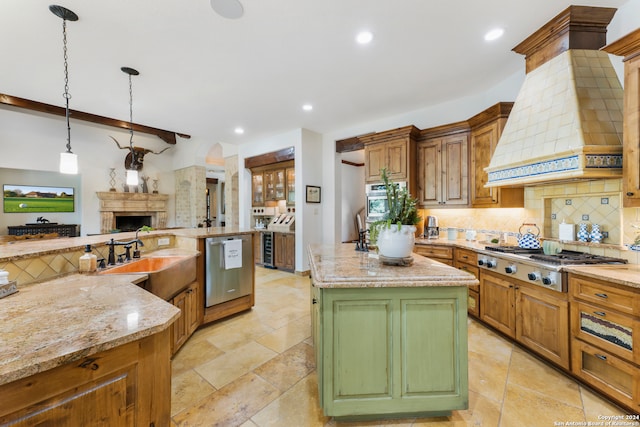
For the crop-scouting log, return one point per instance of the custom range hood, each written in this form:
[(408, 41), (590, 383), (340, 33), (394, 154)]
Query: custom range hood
[(566, 122)]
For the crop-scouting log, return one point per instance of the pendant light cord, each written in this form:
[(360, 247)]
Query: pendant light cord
[(66, 94), (131, 121)]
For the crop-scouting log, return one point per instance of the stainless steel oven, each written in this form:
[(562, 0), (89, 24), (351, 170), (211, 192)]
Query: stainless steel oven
[(377, 205)]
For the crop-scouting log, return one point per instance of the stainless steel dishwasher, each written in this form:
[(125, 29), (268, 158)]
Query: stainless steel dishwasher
[(223, 284)]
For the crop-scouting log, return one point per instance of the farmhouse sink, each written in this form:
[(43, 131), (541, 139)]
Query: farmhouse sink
[(168, 275)]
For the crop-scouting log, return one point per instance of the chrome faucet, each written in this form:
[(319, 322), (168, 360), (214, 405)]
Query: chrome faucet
[(127, 245)]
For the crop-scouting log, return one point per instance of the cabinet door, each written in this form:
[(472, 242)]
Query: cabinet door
[(316, 334), (179, 327), (455, 171), (291, 185), (192, 322), (396, 161), (542, 324), (257, 189), (374, 160), (290, 251), (631, 145), (279, 184), (483, 143), (497, 303), (429, 173)]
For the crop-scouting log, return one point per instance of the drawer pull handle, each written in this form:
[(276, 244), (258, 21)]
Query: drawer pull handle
[(600, 313), (600, 356), (90, 363), (602, 295), (314, 301)]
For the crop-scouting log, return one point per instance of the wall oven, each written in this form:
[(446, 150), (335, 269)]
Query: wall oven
[(376, 203)]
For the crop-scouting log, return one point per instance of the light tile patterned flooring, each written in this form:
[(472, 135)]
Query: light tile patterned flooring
[(257, 369)]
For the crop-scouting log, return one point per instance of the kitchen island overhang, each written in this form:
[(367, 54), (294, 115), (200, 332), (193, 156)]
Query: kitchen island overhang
[(389, 341)]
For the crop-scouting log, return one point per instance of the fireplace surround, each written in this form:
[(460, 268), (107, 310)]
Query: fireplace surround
[(142, 206)]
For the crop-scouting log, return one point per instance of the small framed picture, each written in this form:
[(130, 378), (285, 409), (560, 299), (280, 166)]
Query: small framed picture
[(313, 194)]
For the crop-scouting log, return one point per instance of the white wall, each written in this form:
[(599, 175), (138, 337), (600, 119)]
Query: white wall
[(353, 194)]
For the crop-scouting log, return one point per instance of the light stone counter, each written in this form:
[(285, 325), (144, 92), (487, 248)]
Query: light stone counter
[(49, 324), (341, 266), (626, 275), (200, 233)]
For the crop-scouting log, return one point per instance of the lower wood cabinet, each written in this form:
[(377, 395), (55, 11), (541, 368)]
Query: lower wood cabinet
[(390, 351), (441, 253), (129, 385), (187, 301), (535, 317), (467, 260), (285, 251), (605, 325)]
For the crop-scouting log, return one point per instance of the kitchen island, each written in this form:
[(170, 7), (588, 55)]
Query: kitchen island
[(389, 341)]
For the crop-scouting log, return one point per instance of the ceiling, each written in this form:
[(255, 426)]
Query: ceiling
[(204, 75)]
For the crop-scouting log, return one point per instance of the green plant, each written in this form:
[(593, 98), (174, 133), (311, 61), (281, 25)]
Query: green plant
[(402, 208)]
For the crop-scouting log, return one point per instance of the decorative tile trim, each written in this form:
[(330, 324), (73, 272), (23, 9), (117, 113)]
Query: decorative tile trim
[(600, 161)]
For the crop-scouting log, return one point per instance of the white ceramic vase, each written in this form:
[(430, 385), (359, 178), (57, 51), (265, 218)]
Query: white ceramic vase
[(394, 243)]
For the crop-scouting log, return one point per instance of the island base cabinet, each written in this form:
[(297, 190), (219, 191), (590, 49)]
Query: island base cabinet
[(129, 385), (385, 352)]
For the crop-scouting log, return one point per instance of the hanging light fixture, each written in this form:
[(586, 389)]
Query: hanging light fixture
[(68, 160), (132, 171)]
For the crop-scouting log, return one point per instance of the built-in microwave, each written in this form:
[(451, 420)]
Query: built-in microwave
[(377, 205)]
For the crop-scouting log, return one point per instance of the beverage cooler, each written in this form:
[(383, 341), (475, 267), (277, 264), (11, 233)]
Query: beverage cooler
[(266, 246)]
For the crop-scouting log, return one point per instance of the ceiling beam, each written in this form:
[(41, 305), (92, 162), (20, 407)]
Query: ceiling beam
[(167, 136)]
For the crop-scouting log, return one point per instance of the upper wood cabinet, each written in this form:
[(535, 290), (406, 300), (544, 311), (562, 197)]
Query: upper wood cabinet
[(629, 48), (269, 183), (486, 128), (290, 173), (393, 150), (443, 167)]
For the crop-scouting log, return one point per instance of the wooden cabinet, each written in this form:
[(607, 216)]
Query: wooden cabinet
[(629, 47), (390, 351), (441, 253), (536, 317), (605, 326), (486, 128), (290, 179), (270, 183), (467, 260), (257, 188), (393, 150), (124, 386), (285, 251), (187, 301), (443, 170)]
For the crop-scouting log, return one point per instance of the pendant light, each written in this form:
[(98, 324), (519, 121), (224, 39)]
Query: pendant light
[(131, 172), (68, 160)]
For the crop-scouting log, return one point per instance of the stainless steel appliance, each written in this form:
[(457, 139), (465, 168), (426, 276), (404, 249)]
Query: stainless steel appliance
[(431, 229), (533, 266), (226, 284), (377, 205)]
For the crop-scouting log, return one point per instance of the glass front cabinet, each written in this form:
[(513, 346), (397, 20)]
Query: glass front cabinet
[(291, 185), (257, 189)]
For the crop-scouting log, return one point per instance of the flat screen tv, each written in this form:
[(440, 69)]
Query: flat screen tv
[(32, 198)]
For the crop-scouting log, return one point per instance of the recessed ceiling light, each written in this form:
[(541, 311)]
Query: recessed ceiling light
[(239, 130), (307, 107), (494, 34), (364, 37)]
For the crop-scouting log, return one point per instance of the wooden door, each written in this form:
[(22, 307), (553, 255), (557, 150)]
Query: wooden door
[(497, 303), (179, 328), (374, 160), (429, 173), (396, 153), (290, 179), (192, 322), (542, 323), (257, 189), (483, 143), (455, 170)]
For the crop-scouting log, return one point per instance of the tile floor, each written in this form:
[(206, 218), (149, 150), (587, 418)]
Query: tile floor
[(257, 369)]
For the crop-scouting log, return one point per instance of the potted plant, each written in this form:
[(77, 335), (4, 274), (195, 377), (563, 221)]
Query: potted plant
[(394, 235)]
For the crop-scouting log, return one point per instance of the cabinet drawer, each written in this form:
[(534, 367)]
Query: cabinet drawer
[(607, 373), (604, 294), (466, 256), (608, 329), (431, 251), (469, 269)]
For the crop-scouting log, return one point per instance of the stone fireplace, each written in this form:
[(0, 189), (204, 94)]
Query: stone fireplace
[(129, 210)]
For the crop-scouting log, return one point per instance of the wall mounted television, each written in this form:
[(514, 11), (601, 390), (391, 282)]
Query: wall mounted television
[(35, 198)]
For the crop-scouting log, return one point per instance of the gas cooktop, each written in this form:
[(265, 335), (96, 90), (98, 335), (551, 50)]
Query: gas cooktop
[(573, 258), (513, 250)]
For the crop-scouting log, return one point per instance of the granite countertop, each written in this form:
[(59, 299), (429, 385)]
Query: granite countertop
[(199, 233), (92, 313), (341, 266), (626, 274)]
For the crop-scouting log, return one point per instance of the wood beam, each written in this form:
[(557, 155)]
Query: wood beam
[(167, 136), (270, 158)]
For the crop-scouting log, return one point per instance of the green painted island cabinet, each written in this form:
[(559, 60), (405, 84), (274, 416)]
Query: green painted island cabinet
[(384, 350)]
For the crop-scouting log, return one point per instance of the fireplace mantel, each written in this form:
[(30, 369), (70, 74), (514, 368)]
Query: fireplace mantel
[(113, 204)]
